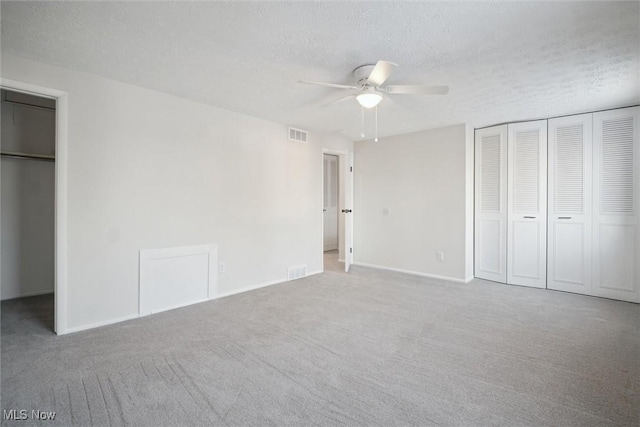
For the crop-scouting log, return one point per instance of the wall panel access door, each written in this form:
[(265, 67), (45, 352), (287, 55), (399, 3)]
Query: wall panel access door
[(491, 203), (570, 204), (616, 185), (527, 204)]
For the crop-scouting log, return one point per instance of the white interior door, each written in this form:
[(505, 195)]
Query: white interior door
[(570, 204), (330, 202), (527, 204), (348, 215), (491, 204), (616, 185)]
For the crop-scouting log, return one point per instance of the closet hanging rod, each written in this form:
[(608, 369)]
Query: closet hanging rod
[(30, 105), (27, 156)]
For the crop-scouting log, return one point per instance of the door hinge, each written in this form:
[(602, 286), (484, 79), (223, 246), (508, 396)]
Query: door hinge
[(350, 168), (350, 250)]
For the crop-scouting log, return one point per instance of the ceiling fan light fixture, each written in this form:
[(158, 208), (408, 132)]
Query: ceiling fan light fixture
[(369, 99)]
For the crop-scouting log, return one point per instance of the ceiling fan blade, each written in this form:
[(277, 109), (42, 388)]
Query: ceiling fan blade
[(381, 72), (344, 98), (334, 85), (417, 90)]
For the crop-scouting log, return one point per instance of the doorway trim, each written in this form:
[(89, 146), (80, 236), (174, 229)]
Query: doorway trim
[(343, 165), (60, 247)]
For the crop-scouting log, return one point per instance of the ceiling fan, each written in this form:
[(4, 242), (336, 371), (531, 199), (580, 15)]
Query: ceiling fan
[(368, 90)]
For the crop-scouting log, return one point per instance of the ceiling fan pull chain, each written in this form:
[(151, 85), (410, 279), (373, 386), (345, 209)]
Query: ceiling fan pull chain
[(362, 131), (376, 138)]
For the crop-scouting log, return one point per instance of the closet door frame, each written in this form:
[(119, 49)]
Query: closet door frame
[(609, 228), (520, 222), (60, 287), (570, 231), (491, 223)]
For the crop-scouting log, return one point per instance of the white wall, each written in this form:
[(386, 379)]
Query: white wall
[(27, 202), (150, 170), (423, 180)]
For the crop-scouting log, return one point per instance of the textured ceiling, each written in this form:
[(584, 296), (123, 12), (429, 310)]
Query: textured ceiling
[(503, 61)]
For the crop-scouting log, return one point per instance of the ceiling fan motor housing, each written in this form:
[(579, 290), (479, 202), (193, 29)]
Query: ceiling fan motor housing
[(362, 73)]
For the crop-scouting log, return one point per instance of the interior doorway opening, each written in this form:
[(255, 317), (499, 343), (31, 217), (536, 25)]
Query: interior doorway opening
[(333, 203), (28, 206), (330, 210), (337, 189)]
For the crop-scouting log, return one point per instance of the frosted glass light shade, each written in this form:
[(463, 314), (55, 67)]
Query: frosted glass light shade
[(369, 100)]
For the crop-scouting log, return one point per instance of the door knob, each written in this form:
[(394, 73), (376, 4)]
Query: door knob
[(324, 210), (346, 210)]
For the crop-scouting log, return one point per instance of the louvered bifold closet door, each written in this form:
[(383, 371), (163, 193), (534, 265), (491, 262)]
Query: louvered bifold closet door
[(570, 204), (527, 204), (616, 182), (491, 203)]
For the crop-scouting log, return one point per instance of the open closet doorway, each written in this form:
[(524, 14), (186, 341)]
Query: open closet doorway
[(337, 189), (28, 207)]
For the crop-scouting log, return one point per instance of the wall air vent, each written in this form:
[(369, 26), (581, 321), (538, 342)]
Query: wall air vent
[(296, 272), (298, 135)]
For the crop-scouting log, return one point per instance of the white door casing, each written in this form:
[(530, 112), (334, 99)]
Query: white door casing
[(570, 204), (60, 294), (490, 251), (616, 194), (527, 204)]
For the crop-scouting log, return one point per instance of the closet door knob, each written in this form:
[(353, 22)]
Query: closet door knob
[(530, 217)]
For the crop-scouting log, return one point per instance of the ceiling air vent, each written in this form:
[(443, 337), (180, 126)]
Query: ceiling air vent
[(298, 135)]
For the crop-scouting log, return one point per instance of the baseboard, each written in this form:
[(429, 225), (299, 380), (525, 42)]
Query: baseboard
[(262, 285), (249, 288), (173, 307), (99, 324), (137, 315), (415, 273), (30, 294), (340, 260), (470, 278)]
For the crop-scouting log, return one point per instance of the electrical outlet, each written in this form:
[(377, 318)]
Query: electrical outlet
[(439, 256), (222, 267)]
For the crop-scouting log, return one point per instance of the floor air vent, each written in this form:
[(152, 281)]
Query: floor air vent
[(296, 272), (298, 135)]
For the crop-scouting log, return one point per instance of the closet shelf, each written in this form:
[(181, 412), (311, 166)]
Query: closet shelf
[(27, 156), (24, 104)]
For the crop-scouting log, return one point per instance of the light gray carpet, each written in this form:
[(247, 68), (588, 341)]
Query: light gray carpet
[(367, 348)]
